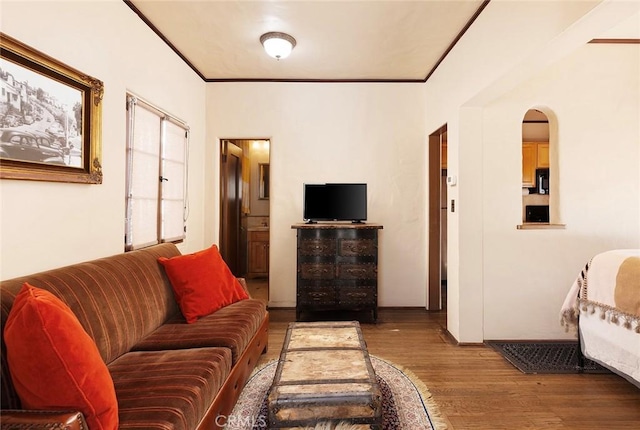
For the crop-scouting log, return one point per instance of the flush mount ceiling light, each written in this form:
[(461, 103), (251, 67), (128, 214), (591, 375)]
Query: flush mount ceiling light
[(277, 45)]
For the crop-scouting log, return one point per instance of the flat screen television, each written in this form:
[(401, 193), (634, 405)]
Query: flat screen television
[(335, 202)]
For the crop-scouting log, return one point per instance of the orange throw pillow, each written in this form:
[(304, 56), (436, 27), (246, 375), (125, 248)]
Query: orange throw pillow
[(53, 362), (202, 283)]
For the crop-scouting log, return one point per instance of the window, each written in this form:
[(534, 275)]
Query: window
[(156, 196)]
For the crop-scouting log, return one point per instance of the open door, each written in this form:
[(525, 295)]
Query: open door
[(437, 218), (230, 206)]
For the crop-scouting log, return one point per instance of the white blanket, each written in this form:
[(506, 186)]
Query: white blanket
[(608, 284), (606, 298)]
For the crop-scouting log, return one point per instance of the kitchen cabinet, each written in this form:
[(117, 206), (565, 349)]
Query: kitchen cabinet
[(529, 162), (535, 155), (543, 155), (337, 268), (258, 253)]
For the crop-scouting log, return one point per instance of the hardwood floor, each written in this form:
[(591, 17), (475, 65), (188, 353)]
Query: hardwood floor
[(478, 389), (259, 289)]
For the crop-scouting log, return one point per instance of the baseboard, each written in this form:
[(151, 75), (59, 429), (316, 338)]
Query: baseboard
[(530, 340)]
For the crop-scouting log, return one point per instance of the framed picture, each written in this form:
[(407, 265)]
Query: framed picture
[(50, 118)]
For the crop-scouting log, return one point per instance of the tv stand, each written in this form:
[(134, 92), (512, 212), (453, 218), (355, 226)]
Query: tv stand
[(337, 268)]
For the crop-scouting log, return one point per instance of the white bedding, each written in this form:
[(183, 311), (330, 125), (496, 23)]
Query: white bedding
[(604, 305)]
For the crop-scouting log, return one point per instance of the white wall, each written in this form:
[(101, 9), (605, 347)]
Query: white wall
[(45, 225), (496, 287), (371, 133), (527, 273)]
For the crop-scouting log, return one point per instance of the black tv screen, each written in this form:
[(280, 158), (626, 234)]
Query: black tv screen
[(335, 202)]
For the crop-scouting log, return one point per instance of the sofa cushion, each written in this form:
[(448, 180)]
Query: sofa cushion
[(54, 364), (232, 327), (202, 283), (168, 389)]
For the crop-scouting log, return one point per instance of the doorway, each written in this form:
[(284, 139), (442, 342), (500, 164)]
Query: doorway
[(245, 194), (437, 264)]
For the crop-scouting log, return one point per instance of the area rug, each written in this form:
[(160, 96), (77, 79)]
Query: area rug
[(406, 401), (545, 357)]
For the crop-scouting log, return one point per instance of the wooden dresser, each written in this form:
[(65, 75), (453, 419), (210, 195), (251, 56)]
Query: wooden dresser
[(337, 265)]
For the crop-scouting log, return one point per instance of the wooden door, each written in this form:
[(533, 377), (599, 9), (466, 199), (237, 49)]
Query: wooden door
[(230, 206), (436, 239)]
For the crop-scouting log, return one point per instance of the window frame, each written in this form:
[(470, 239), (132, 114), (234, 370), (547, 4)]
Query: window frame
[(165, 119)]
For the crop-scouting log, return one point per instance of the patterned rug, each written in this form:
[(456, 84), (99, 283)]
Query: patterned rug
[(545, 357), (406, 402)]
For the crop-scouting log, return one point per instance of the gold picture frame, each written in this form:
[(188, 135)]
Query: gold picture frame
[(50, 118)]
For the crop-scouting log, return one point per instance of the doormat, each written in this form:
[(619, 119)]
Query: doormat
[(545, 357)]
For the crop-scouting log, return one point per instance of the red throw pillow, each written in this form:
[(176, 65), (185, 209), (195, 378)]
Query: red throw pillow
[(53, 362), (202, 283)]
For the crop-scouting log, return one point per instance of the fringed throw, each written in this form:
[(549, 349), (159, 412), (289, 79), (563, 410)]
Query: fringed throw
[(609, 285)]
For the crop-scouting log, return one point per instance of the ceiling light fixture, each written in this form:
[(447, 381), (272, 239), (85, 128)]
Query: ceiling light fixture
[(278, 45)]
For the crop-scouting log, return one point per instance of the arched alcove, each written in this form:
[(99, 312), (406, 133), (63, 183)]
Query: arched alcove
[(539, 168)]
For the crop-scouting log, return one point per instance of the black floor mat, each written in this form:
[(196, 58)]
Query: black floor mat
[(545, 357)]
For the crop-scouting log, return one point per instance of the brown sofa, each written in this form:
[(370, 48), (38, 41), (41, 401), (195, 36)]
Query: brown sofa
[(166, 373)]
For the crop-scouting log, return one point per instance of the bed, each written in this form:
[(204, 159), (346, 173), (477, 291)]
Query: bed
[(603, 308)]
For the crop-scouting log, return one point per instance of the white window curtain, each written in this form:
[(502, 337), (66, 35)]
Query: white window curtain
[(173, 208), (156, 198)]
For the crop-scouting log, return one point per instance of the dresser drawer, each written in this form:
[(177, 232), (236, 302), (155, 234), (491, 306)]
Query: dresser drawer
[(318, 247), (317, 271), (318, 296), (357, 247), (358, 295), (357, 271)]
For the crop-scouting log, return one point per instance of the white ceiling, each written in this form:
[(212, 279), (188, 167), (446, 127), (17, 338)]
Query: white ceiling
[(336, 40)]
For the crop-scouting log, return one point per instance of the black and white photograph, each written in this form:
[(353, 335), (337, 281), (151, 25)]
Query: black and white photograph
[(50, 125), (40, 118)]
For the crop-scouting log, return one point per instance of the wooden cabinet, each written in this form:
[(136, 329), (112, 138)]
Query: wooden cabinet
[(529, 161), (258, 254), (337, 268), (535, 155), (543, 155)]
